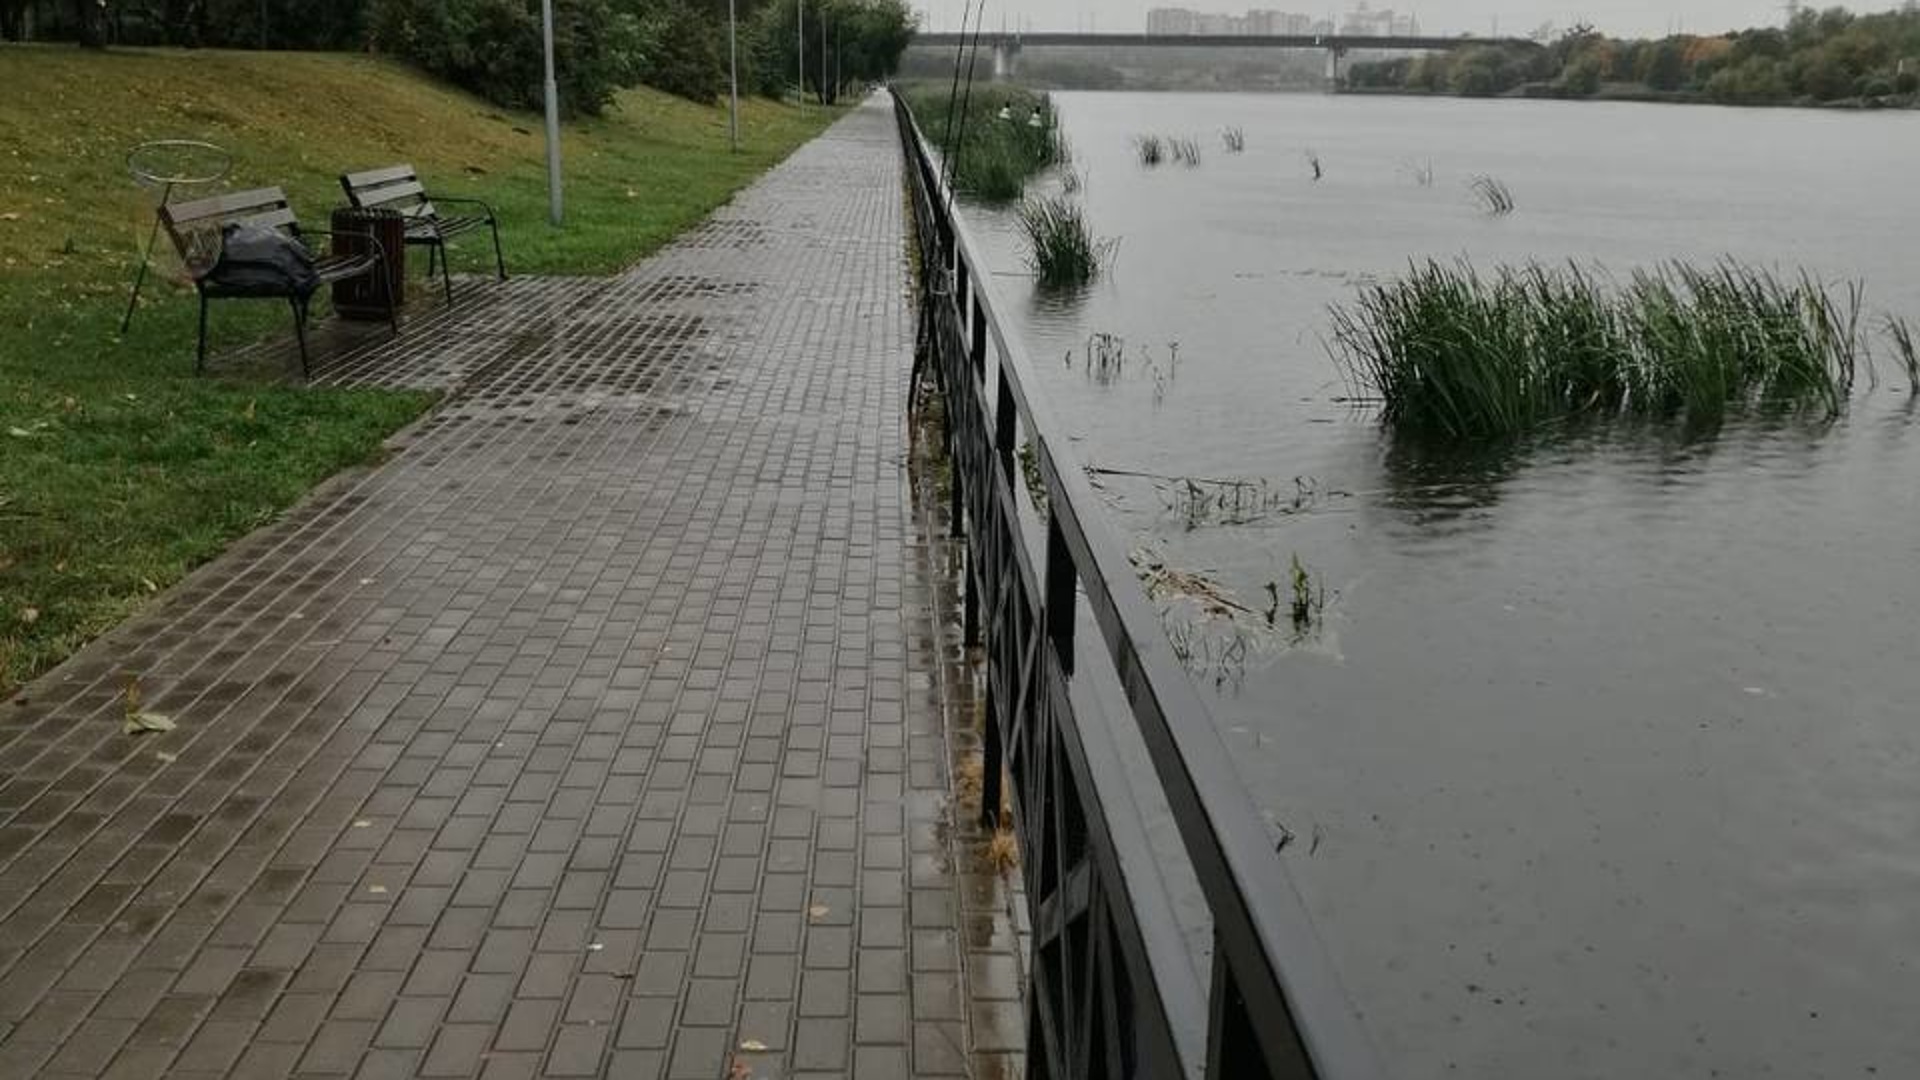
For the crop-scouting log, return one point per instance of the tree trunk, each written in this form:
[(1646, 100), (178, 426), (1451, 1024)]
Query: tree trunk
[(175, 28), (86, 23)]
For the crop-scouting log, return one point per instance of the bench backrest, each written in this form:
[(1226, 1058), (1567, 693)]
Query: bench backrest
[(195, 226), (396, 187)]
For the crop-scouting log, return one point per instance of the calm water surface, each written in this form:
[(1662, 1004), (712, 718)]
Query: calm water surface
[(1606, 759)]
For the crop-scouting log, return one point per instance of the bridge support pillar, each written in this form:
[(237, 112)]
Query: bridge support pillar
[(1006, 59), (1333, 69)]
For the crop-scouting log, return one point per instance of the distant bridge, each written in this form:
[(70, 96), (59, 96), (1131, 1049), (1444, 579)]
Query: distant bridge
[(1006, 45)]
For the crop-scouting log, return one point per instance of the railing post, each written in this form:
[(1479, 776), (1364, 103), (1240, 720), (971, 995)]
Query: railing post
[(970, 606), (950, 368), (977, 352), (1004, 427), (1062, 586), (993, 759), (1230, 1045)]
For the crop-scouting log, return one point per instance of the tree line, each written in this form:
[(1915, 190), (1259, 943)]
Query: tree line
[(493, 47), (1817, 57)]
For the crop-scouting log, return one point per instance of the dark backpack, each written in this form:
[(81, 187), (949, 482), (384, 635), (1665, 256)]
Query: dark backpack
[(256, 261)]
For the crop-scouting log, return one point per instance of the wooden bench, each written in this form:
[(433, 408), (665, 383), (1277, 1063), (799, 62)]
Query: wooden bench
[(196, 229), (398, 187)]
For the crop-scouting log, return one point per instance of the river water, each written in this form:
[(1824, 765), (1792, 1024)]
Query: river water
[(1603, 759)]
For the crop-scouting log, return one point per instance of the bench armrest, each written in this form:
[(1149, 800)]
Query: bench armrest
[(378, 248), (460, 199)]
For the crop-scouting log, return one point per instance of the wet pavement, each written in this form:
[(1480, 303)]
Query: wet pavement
[(606, 729)]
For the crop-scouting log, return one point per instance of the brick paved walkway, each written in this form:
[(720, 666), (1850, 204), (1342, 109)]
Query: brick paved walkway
[(599, 732)]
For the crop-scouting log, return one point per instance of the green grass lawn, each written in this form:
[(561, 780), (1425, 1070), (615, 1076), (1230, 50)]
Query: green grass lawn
[(120, 470)]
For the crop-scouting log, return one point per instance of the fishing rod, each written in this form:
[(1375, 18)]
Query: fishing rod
[(953, 92), (966, 98)]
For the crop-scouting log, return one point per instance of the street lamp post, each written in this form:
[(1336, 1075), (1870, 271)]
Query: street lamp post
[(553, 114), (733, 84), (800, 36)]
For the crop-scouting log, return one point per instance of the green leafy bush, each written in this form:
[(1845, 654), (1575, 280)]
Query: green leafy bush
[(492, 47)]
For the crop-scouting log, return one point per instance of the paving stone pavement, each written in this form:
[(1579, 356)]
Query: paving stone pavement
[(604, 730)]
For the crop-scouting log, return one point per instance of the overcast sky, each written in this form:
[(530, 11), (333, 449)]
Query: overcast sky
[(1636, 18)]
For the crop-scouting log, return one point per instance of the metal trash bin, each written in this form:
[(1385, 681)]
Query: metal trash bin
[(366, 296)]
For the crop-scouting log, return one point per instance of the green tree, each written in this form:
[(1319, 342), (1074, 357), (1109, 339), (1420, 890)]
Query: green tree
[(1822, 74), (1666, 67), (1581, 78), (848, 41)]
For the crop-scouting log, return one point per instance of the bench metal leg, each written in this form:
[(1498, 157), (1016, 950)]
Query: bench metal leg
[(393, 299), (300, 333), (446, 272), (200, 357), (499, 260)]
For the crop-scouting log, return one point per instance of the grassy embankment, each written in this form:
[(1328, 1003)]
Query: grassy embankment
[(120, 470)]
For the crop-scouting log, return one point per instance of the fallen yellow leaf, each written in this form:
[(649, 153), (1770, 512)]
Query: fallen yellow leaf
[(139, 723)]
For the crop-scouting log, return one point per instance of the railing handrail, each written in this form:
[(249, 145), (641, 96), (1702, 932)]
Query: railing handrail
[(1263, 931)]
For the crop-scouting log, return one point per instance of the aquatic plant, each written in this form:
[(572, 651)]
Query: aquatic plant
[(1420, 171), (1235, 139), (1901, 335), (1313, 165), (1200, 501), (1105, 356), (1493, 194), (1150, 149), (1061, 247), (1070, 181), (1449, 351), (1307, 597), (1185, 151)]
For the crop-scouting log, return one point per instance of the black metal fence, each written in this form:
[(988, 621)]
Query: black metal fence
[(1117, 989)]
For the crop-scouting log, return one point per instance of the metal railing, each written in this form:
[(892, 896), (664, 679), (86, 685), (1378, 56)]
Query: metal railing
[(1117, 991)]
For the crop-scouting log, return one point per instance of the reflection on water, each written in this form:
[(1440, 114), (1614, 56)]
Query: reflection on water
[(1614, 768)]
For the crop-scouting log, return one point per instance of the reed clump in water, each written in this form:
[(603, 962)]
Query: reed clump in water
[(991, 145), (1901, 336), (1235, 139), (1061, 247), (1494, 196), (1449, 351), (1185, 151), (1150, 149)]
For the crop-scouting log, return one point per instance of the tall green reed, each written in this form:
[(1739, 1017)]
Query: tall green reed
[(1061, 247), (1449, 350)]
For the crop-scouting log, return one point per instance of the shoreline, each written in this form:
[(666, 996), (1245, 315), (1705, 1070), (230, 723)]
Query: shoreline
[(1646, 95)]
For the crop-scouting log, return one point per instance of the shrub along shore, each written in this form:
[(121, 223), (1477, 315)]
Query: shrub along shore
[(993, 144), (1829, 57)]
